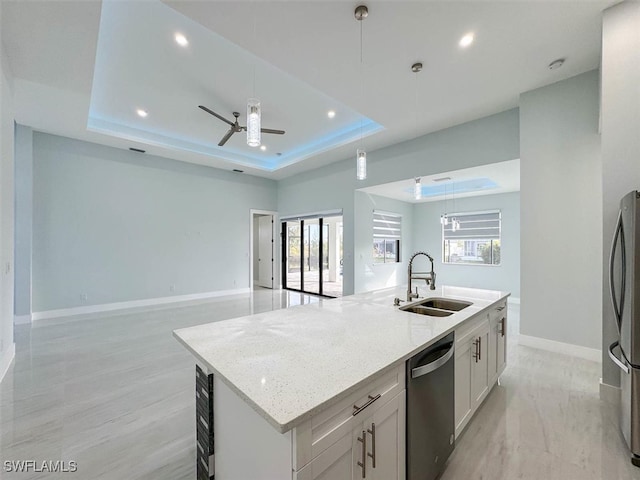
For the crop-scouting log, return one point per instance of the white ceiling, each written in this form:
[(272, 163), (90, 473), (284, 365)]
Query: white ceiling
[(52, 51), (501, 177)]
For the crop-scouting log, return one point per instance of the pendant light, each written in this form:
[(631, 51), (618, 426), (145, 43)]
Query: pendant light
[(417, 189), (361, 13), (253, 122)]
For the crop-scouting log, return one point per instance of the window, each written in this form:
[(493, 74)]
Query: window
[(387, 233), (476, 242)]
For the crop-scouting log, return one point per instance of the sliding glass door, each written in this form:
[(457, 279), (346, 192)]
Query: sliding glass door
[(312, 255)]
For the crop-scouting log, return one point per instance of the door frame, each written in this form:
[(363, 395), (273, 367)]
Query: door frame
[(274, 251)]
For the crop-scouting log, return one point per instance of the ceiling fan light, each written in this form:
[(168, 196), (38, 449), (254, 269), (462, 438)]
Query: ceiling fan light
[(361, 164), (253, 122)]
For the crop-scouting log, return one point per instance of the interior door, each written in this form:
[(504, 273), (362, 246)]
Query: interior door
[(265, 251)]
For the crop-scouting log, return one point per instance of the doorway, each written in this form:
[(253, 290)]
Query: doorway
[(312, 252), (262, 270)]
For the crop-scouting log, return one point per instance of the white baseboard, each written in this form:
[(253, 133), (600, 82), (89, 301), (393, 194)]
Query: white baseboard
[(592, 354), (609, 393), (21, 319), (7, 358), (514, 300), (109, 307)]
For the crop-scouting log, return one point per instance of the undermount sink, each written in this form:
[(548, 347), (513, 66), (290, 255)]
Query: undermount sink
[(436, 307), (445, 304), (432, 312)]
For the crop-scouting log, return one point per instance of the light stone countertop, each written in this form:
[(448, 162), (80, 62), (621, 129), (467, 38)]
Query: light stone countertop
[(290, 364)]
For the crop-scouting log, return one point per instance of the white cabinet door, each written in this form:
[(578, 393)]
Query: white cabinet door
[(338, 462), (386, 441), (502, 344), (492, 351), (480, 365), (462, 388)]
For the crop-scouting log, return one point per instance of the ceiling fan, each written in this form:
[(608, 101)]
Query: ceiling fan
[(235, 126)]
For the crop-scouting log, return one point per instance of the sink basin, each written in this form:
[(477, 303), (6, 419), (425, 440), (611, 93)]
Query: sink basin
[(432, 312), (444, 304), (436, 307)]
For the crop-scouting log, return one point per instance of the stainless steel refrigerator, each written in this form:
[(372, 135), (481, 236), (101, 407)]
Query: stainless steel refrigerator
[(624, 280)]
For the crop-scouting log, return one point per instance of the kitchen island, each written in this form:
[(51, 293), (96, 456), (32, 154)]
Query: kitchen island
[(276, 391)]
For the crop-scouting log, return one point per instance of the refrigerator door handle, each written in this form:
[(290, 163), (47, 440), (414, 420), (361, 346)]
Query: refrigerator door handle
[(615, 359), (617, 308)]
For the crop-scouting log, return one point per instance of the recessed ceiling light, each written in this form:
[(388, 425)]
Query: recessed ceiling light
[(263, 147), (556, 64), (331, 113), (181, 40), (466, 40), (142, 113)]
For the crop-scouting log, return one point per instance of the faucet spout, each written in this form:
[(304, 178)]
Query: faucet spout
[(430, 279)]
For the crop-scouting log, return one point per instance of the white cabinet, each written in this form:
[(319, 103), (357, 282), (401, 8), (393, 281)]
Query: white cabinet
[(386, 429), (472, 381), (480, 365), (497, 341), (335, 463), (373, 450), (322, 444), (502, 343), (462, 388)]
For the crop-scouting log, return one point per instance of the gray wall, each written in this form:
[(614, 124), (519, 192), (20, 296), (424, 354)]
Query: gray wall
[(427, 235), (480, 142), (6, 209), (620, 141), (24, 217), (561, 219), (119, 226), (370, 276)]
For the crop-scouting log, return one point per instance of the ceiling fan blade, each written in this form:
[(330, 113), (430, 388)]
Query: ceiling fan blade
[(226, 137), (270, 130), (215, 114)]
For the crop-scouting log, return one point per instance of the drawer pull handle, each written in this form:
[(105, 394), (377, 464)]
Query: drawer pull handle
[(357, 409), (500, 308), (502, 327), (363, 463)]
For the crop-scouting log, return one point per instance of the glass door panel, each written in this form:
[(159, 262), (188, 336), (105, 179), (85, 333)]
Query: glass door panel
[(311, 271), (293, 252)]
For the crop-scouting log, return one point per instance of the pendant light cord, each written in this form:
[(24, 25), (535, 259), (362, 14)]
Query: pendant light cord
[(255, 43), (361, 86)]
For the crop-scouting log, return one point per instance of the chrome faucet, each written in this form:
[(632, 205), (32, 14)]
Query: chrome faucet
[(430, 279)]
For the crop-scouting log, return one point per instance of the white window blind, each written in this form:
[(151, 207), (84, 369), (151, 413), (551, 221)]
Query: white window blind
[(387, 233), (387, 225), (480, 225)]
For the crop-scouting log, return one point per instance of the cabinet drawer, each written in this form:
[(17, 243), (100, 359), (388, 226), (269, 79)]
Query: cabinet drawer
[(498, 311), (467, 331), (325, 428)]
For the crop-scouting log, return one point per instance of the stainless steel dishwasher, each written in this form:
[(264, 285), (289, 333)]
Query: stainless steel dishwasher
[(430, 410)]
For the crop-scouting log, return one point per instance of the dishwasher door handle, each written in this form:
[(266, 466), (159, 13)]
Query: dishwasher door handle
[(430, 367)]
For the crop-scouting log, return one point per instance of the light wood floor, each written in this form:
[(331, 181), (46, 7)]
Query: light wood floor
[(115, 394)]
